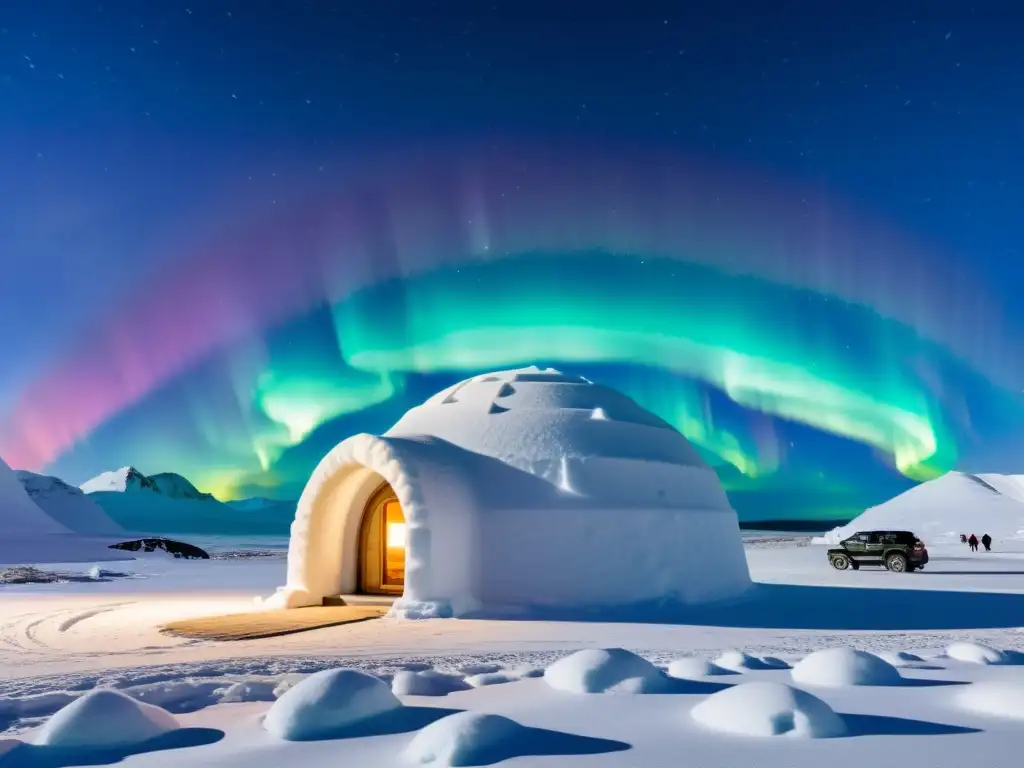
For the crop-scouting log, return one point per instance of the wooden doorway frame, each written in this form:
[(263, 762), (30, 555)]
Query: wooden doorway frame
[(373, 545)]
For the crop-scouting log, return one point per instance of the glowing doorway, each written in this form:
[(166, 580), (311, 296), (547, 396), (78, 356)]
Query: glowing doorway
[(382, 545)]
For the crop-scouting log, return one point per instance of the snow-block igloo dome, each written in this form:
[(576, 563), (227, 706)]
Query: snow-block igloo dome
[(516, 491)]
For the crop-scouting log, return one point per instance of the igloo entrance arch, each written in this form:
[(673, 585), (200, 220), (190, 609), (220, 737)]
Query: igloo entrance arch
[(350, 529)]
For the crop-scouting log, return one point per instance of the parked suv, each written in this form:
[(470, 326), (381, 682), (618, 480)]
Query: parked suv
[(899, 551)]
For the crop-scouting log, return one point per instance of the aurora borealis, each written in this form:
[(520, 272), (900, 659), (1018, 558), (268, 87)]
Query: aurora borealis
[(736, 362), (278, 289)]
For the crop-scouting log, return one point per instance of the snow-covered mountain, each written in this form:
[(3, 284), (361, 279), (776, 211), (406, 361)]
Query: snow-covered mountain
[(68, 505), (177, 487), (129, 479), (19, 515), (119, 481), (942, 509), (31, 533), (168, 504)]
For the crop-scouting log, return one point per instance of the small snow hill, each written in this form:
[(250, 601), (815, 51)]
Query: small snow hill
[(67, 505), (168, 504), (18, 513), (940, 510), (29, 535)]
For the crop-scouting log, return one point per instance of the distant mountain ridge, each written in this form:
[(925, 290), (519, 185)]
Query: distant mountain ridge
[(129, 480), (260, 503), (168, 504)]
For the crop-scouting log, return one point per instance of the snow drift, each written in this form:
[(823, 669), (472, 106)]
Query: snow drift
[(1001, 698), (941, 509), (768, 709)]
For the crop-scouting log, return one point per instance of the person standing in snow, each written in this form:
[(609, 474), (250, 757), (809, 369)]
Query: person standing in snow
[(986, 541), (972, 542)]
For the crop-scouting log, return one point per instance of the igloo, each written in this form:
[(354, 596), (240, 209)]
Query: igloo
[(515, 491)]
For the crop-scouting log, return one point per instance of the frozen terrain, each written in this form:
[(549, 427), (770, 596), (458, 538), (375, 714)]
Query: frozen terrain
[(950, 686)]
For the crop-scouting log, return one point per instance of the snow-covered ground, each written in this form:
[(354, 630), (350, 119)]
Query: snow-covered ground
[(58, 641)]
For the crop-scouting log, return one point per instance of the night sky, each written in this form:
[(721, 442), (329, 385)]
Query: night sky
[(234, 233)]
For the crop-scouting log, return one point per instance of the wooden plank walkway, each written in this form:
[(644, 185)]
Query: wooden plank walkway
[(251, 626)]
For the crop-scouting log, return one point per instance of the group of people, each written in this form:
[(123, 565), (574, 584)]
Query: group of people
[(972, 541)]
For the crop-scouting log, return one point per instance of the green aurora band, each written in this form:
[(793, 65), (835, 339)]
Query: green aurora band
[(300, 403), (787, 353)]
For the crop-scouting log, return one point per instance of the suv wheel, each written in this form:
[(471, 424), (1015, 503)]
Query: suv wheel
[(896, 563), (840, 562)]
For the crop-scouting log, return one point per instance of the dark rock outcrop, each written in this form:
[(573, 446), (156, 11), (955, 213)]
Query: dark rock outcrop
[(152, 544)]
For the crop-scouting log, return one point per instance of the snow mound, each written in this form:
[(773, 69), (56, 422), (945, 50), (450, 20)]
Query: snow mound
[(466, 738), (837, 667), (249, 690), (738, 661), (768, 709), (943, 508), (426, 683), (102, 719), (1001, 698), (610, 670), (692, 666), (900, 658), (975, 653), (328, 702), (491, 678)]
